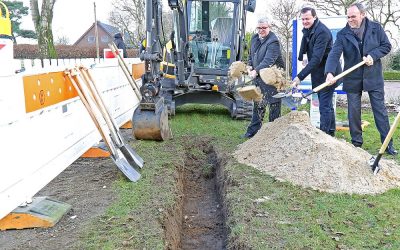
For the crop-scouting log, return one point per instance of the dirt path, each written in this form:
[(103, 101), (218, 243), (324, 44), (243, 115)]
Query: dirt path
[(86, 185)]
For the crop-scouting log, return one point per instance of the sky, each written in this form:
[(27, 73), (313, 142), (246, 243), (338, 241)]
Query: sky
[(73, 17)]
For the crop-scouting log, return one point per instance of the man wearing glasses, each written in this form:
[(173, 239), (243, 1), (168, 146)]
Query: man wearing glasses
[(362, 39), (265, 51)]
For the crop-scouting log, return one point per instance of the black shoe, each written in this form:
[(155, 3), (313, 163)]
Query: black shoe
[(357, 145), (391, 150), (246, 136)]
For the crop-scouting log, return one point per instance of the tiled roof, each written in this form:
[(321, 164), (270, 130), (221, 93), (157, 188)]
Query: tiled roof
[(111, 30)]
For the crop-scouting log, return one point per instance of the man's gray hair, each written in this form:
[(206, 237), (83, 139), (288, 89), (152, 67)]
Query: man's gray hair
[(360, 7), (264, 20)]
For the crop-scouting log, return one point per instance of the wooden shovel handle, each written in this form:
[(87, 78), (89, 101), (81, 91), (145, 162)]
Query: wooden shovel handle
[(390, 134), (87, 77), (116, 53), (325, 84), (125, 69), (86, 103)]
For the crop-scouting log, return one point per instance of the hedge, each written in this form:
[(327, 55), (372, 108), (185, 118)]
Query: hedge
[(31, 51), (391, 75)]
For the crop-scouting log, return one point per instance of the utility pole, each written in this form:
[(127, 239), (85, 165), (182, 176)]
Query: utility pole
[(96, 32)]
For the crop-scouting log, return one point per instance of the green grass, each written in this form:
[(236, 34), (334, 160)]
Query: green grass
[(371, 135), (391, 75), (292, 217)]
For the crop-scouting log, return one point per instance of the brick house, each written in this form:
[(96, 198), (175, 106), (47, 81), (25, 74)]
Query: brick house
[(106, 35)]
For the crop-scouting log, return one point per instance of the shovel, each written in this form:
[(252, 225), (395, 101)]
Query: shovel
[(374, 161), (300, 98), (129, 153), (116, 155), (125, 69)]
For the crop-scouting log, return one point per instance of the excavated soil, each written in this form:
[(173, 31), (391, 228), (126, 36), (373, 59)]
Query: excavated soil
[(291, 149)]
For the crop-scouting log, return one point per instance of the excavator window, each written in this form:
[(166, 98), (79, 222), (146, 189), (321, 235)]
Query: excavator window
[(211, 29)]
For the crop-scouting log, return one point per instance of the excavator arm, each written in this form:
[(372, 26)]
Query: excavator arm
[(150, 119), (208, 35)]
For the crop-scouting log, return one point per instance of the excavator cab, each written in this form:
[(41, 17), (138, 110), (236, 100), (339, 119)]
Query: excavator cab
[(211, 33)]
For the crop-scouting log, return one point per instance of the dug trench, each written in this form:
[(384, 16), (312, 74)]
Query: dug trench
[(197, 220)]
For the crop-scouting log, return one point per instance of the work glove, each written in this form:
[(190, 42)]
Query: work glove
[(330, 79), (296, 81), (368, 60)]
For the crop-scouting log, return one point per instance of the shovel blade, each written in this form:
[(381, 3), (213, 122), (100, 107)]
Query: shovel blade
[(374, 163), (291, 102), (126, 168), (131, 155), (303, 101), (281, 95)]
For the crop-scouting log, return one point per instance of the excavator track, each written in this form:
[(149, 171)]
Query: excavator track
[(243, 109)]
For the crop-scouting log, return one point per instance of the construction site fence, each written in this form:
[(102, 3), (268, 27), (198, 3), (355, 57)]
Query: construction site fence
[(44, 126)]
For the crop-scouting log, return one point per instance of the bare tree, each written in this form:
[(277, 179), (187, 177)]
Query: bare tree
[(129, 16), (43, 26), (332, 7), (386, 12), (62, 40), (383, 11), (283, 13)]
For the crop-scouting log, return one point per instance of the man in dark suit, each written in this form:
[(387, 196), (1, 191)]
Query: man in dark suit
[(265, 52), (316, 43), (362, 39)]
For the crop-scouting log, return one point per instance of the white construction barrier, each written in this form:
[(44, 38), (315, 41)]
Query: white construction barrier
[(44, 126)]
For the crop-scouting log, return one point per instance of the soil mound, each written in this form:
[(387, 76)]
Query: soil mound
[(293, 150)]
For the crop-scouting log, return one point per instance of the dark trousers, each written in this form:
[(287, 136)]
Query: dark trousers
[(327, 112), (377, 99), (259, 108)]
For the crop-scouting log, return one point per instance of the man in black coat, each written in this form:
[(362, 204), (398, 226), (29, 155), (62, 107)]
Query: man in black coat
[(366, 40), (265, 51), (317, 42), (119, 42)]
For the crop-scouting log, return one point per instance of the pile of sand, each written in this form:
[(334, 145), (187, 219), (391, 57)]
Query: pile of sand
[(291, 149)]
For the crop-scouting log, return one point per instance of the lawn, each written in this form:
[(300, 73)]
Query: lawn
[(291, 217)]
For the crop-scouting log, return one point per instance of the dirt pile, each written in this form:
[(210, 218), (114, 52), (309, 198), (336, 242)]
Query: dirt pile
[(291, 149)]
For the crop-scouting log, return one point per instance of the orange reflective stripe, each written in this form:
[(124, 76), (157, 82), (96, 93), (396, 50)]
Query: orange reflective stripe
[(46, 89)]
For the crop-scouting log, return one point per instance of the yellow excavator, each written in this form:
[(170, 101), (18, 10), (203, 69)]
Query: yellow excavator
[(207, 37)]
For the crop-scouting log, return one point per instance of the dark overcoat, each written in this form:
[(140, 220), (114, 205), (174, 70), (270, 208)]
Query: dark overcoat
[(317, 44), (119, 42), (265, 53), (375, 43)]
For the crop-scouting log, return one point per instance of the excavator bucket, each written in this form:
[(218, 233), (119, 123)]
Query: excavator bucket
[(151, 124)]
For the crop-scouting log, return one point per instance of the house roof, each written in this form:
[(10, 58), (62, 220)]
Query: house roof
[(109, 29)]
